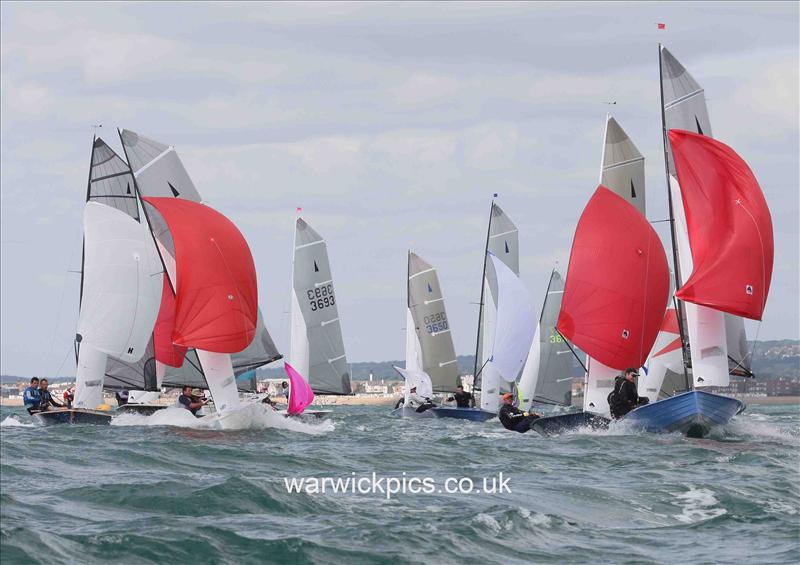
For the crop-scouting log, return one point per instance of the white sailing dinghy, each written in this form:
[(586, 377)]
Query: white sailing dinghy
[(120, 292), (159, 172), (430, 354)]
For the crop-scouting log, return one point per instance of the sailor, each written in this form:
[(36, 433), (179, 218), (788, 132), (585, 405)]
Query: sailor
[(69, 397), (122, 397), (269, 401), (285, 389), (463, 399), (418, 402), (625, 396), (46, 399), (31, 396), (191, 401), (513, 418)]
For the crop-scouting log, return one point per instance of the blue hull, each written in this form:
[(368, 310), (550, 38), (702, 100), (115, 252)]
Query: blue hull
[(472, 414), (73, 416), (406, 412), (693, 413), (554, 425)]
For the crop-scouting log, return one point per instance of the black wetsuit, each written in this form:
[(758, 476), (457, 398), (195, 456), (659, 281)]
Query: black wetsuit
[(515, 419), (463, 399), (624, 398)]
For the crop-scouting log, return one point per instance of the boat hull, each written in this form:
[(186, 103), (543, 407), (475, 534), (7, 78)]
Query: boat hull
[(141, 409), (308, 414), (73, 416), (694, 413), (408, 412), (555, 425), (472, 414)]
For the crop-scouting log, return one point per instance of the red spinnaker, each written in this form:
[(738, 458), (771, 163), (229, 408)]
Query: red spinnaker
[(216, 306), (730, 227), (167, 352), (617, 284)]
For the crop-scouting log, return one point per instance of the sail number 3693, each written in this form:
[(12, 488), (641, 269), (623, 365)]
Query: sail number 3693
[(320, 297)]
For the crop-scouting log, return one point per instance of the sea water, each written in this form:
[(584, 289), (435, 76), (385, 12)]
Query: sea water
[(170, 488)]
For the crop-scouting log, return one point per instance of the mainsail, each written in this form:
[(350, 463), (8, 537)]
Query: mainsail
[(431, 325), (547, 376), (617, 284), (317, 347), (159, 172), (502, 240), (684, 107)]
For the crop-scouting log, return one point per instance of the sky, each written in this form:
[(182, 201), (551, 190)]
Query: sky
[(391, 125)]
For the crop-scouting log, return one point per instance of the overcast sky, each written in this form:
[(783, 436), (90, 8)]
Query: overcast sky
[(391, 125)]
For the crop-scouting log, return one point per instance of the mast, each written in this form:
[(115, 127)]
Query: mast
[(88, 195), (665, 140), (480, 304)]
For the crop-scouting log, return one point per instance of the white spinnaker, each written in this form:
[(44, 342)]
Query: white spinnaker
[(121, 286), (516, 323), (706, 327), (121, 296), (417, 379)]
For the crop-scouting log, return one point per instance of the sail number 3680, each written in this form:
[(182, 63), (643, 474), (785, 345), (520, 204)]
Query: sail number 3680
[(436, 323), (320, 297)]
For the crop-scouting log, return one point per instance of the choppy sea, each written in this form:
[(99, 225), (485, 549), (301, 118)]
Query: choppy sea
[(168, 489)]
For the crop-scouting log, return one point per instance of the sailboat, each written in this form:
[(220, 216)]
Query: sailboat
[(158, 172), (501, 259), (431, 362), (120, 292), (615, 295), (547, 376), (723, 247), (317, 347)]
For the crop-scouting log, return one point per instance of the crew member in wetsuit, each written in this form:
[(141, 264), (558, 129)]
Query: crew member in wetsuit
[(463, 399), (122, 397), (513, 418), (31, 396), (625, 396), (46, 399), (285, 390), (416, 401), (268, 400), (191, 401)]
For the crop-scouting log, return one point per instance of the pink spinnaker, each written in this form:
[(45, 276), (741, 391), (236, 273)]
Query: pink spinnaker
[(300, 394)]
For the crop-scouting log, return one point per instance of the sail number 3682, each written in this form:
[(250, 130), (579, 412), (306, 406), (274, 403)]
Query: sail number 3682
[(320, 297)]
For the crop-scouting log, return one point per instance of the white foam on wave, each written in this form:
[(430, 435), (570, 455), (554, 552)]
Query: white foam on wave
[(699, 505), (752, 426), (12, 422), (249, 417)]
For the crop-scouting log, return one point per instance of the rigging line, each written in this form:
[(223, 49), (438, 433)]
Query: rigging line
[(64, 360), (585, 370)]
